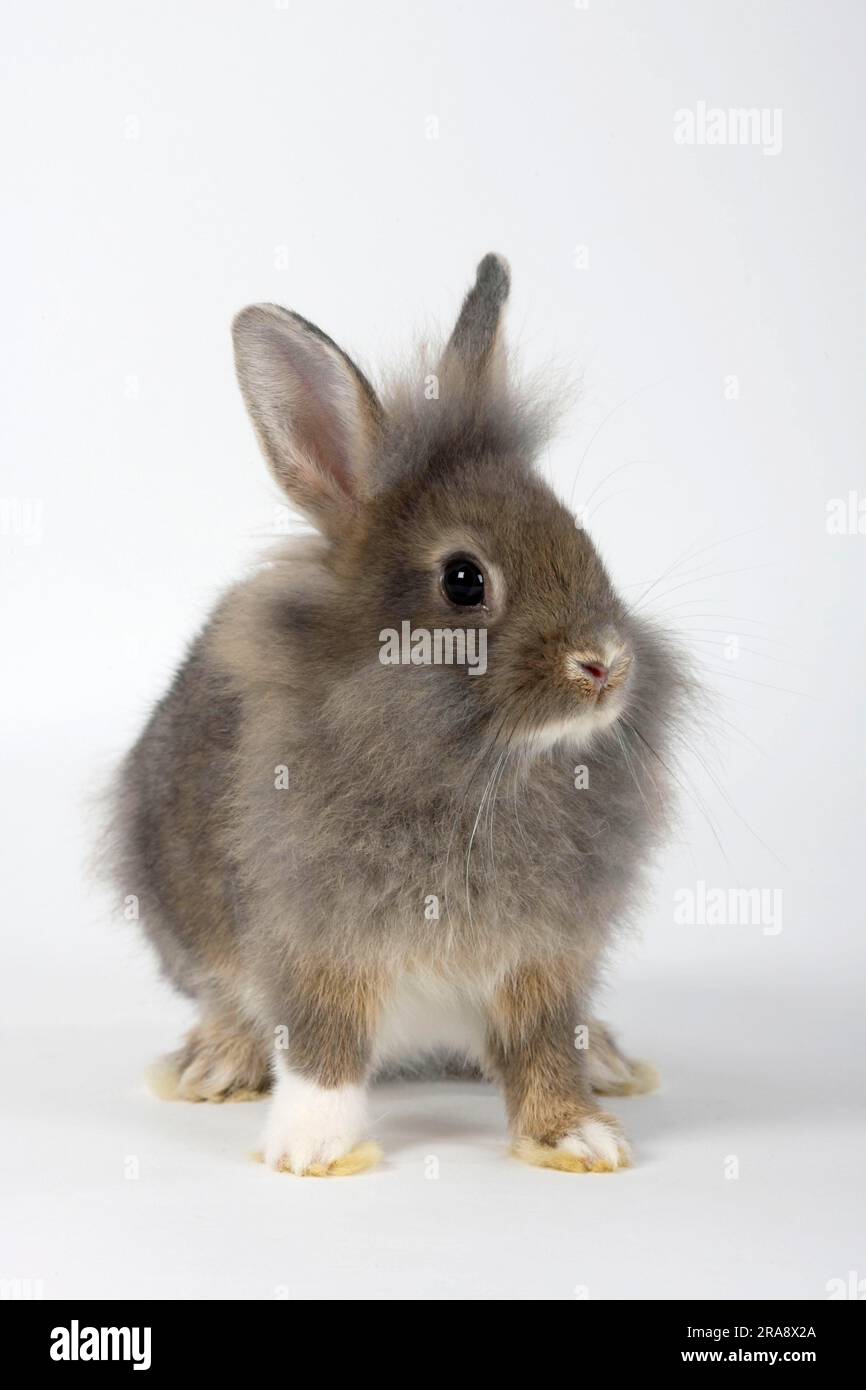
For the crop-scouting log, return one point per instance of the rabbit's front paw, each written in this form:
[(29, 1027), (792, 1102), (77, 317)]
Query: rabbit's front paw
[(314, 1130), (593, 1146)]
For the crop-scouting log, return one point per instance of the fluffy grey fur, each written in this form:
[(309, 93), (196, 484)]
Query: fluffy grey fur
[(300, 900)]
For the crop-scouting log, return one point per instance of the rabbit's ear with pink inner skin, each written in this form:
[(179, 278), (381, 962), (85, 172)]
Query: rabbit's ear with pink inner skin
[(316, 415)]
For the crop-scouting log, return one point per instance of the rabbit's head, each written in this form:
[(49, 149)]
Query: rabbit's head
[(435, 522)]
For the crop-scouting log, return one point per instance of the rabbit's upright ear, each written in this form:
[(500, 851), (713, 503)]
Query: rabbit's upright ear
[(476, 342), (315, 413)]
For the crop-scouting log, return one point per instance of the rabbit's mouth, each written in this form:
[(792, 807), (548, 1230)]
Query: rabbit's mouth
[(578, 730)]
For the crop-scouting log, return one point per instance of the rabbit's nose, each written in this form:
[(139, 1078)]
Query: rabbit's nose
[(588, 670), (597, 670)]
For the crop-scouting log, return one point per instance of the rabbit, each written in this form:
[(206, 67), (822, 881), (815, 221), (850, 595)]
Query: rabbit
[(358, 865)]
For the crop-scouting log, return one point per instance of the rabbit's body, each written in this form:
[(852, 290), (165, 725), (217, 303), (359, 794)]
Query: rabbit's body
[(367, 863)]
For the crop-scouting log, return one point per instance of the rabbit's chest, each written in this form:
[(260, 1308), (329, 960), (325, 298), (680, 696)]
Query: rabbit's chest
[(513, 862), (516, 869)]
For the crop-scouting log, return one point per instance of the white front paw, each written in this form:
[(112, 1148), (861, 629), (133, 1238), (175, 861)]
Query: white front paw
[(311, 1127)]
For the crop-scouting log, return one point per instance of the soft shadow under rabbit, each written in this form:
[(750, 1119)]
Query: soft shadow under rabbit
[(355, 864)]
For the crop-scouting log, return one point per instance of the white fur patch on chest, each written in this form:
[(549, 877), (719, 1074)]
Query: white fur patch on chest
[(426, 1016)]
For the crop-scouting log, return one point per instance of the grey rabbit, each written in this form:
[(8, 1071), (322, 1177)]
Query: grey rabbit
[(358, 845)]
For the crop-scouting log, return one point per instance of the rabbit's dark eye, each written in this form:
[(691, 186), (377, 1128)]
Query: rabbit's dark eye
[(463, 582)]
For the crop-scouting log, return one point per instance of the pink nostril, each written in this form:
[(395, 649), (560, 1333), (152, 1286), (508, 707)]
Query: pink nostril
[(596, 670)]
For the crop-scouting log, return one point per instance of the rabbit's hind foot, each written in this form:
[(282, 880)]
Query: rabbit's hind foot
[(218, 1062), (611, 1072)]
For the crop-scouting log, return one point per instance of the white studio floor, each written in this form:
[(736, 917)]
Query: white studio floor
[(107, 1192), (449, 1215), (203, 1221)]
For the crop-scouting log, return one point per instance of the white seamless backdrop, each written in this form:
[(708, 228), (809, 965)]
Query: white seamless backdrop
[(165, 165)]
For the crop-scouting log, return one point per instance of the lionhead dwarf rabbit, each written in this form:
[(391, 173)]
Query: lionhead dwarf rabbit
[(357, 861)]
